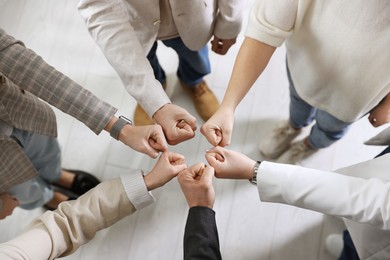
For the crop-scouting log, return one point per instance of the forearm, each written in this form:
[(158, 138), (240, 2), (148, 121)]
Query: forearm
[(109, 24), (74, 223), (358, 199), (31, 73), (201, 235), (251, 61)]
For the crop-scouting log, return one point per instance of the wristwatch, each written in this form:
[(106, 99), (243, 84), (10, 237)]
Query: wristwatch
[(253, 180), (118, 125)]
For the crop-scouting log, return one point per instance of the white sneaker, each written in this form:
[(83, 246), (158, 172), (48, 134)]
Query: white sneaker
[(334, 244), (297, 152), (278, 141)]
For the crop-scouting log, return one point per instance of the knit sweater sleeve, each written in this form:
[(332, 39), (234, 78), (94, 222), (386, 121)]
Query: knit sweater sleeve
[(272, 21)]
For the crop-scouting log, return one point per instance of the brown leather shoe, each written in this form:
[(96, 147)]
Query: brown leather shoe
[(141, 117), (206, 103)]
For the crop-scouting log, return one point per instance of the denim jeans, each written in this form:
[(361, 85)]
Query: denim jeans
[(193, 65), (45, 155), (327, 129)]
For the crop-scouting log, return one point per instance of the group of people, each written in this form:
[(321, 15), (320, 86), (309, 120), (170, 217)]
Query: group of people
[(337, 68)]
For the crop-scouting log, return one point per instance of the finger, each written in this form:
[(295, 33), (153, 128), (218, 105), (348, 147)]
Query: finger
[(211, 158), (213, 136), (179, 168), (149, 150), (196, 168), (190, 120), (208, 174), (159, 138), (175, 158), (226, 137), (158, 144), (217, 149)]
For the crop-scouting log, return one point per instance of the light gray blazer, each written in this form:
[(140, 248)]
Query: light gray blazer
[(126, 31)]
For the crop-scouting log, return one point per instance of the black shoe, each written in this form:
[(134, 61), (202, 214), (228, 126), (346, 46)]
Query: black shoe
[(82, 182)]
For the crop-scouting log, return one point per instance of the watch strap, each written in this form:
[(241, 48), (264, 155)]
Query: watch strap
[(254, 173), (118, 125)]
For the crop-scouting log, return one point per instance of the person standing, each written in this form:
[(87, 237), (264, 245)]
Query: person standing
[(127, 32)]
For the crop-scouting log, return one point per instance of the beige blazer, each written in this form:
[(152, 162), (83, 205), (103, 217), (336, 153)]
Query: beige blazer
[(126, 31), (25, 80)]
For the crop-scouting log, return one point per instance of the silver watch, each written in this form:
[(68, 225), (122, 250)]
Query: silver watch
[(118, 125), (253, 180)]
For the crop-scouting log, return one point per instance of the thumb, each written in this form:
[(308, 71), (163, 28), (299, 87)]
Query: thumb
[(158, 144), (213, 159), (149, 150), (213, 136), (208, 174), (226, 137)]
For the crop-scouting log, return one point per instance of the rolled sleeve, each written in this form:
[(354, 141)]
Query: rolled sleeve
[(272, 22), (136, 189)]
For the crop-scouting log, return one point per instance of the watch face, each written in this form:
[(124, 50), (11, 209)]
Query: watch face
[(126, 119)]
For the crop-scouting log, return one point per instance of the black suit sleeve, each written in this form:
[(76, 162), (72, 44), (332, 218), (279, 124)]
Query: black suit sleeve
[(201, 235)]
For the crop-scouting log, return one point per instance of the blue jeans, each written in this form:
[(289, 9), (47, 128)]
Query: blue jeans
[(327, 129), (45, 155), (193, 65)]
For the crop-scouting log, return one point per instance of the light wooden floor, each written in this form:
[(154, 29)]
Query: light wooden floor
[(248, 229)]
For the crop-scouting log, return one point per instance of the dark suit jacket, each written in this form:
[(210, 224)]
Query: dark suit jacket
[(201, 240), (25, 80)]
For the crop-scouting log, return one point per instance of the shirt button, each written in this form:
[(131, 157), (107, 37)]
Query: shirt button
[(156, 22)]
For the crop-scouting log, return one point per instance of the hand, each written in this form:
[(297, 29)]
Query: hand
[(178, 125), (197, 185), (380, 114), (229, 164), (9, 204), (221, 46), (148, 139), (167, 167), (218, 129)]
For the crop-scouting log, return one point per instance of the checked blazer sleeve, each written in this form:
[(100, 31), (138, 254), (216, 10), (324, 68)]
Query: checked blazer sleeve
[(31, 73)]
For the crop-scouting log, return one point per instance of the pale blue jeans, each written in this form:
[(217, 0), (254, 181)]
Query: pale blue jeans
[(44, 153), (327, 128)]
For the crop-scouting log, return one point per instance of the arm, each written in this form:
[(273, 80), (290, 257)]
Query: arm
[(28, 71), (201, 235), (356, 198), (380, 114), (270, 23), (61, 232), (227, 25), (109, 23), (251, 60), (31, 73)]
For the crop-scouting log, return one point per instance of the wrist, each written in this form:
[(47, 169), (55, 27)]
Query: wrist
[(150, 182), (159, 113), (110, 124), (228, 106), (116, 128)]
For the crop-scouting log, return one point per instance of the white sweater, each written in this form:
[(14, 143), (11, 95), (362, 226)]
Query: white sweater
[(337, 51)]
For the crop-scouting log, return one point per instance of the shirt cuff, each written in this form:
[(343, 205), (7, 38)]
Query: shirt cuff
[(136, 190)]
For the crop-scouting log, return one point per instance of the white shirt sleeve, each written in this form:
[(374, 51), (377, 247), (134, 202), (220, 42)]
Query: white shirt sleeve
[(355, 198)]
